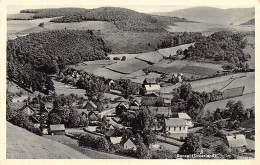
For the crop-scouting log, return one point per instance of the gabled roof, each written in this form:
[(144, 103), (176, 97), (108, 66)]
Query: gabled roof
[(129, 140), (175, 122), (152, 87), (183, 116), (123, 104), (150, 80), (57, 127), (236, 141), (91, 103)]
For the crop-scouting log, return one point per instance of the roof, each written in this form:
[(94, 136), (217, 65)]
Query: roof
[(57, 127), (236, 141), (123, 104), (91, 103), (28, 106), (174, 122), (152, 94), (152, 87), (81, 110), (161, 110), (129, 140), (115, 91), (166, 101), (183, 116), (150, 80)]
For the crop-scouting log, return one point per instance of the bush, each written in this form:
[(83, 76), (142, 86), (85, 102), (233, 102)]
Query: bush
[(102, 144), (222, 149)]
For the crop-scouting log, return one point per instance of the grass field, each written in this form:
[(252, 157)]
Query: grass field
[(248, 101), (140, 79), (248, 80), (172, 50), (128, 66), (152, 57), (92, 154), (20, 16), (106, 73), (61, 88), (14, 26), (206, 28), (37, 147)]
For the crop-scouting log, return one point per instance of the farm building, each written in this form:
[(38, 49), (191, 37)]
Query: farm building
[(177, 127), (186, 118), (57, 129), (152, 88), (90, 106), (233, 92), (129, 144), (121, 107), (236, 141)]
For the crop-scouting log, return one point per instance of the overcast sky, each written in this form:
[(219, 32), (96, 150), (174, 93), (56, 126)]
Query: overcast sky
[(145, 9)]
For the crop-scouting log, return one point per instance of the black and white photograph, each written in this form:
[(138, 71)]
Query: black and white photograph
[(130, 81)]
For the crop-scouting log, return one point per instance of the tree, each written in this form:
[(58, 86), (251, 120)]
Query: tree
[(142, 152), (116, 58), (102, 144), (123, 58), (74, 119), (41, 24), (191, 145), (185, 91), (54, 118)]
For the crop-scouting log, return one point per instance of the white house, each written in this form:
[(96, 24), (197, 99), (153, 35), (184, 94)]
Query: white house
[(176, 125), (186, 118), (153, 88)]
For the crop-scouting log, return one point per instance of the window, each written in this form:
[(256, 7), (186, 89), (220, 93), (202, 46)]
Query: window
[(169, 128), (174, 128), (180, 128)]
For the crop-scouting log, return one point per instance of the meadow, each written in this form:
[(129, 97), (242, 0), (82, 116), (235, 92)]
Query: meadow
[(61, 88), (22, 16)]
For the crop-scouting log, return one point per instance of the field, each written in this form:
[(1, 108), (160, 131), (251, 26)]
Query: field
[(128, 56), (206, 28), (128, 66), (20, 16), (140, 79), (107, 73), (172, 50), (37, 147), (248, 101), (92, 154), (15, 26), (151, 57), (61, 88)]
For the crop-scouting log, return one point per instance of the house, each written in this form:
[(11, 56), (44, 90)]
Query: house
[(120, 108), (152, 88), (90, 106), (186, 118), (236, 141), (27, 109), (57, 129), (129, 144), (114, 136), (93, 117), (177, 127)]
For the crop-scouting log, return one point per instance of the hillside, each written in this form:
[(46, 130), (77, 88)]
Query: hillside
[(250, 22), (213, 15), (31, 146), (124, 19)]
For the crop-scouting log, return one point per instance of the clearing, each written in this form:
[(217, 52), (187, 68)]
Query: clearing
[(37, 147), (61, 88), (128, 66)]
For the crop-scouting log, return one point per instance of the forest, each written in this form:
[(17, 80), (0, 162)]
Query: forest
[(224, 46), (47, 52)]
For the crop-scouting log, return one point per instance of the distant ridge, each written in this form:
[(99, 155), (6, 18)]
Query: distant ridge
[(213, 15), (250, 22)]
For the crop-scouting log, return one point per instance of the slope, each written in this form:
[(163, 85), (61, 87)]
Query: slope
[(31, 146), (214, 15)]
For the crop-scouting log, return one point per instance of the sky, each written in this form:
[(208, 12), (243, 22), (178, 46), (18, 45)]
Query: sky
[(140, 8)]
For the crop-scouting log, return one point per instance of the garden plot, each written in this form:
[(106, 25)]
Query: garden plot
[(172, 50), (128, 66)]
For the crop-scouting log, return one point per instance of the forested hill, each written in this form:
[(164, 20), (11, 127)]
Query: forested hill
[(31, 58), (124, 19)]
